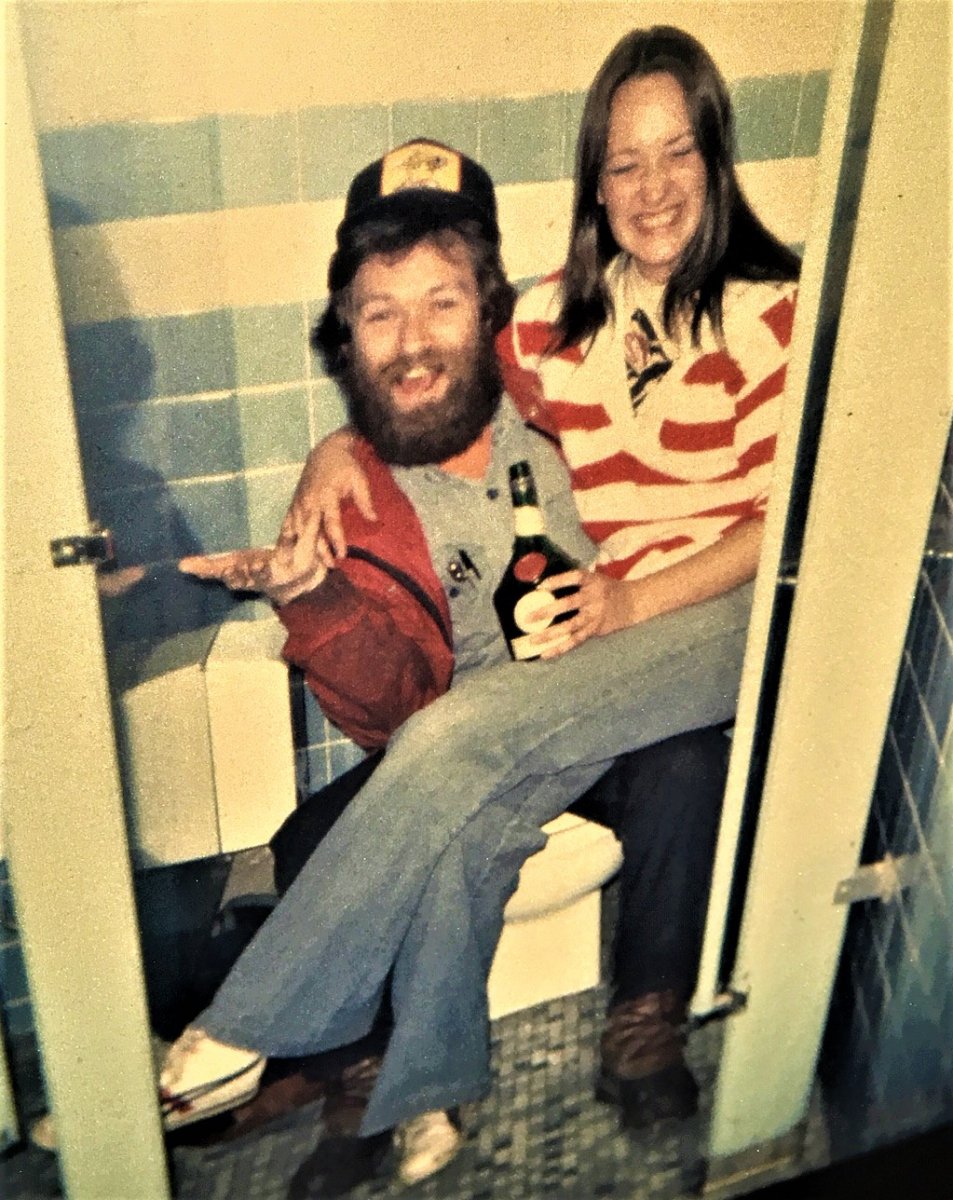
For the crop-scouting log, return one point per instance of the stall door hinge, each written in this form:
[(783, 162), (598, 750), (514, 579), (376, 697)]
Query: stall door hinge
[(883, 880), (95, 547)]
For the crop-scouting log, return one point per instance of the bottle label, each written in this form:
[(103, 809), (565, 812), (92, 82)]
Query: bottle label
[(529, 567), (531, 616), (528, 521)]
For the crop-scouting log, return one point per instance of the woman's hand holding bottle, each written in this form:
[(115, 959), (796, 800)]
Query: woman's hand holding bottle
[(603, 605)]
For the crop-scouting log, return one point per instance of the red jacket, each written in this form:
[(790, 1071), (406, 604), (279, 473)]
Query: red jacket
[(374, 640)]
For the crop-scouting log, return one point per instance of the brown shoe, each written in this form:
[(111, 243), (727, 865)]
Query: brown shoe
[(348, 1097), (643, 1067), (343, 1159), (277, 1098), (284, 1091)]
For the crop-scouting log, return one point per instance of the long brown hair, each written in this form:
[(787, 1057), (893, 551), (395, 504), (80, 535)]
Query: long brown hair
[(730, 242)]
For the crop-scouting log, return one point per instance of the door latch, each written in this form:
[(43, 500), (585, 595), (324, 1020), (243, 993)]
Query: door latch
[(96, 547), (883, 880)]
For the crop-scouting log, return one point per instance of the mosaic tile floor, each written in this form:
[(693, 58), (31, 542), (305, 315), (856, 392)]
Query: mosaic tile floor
[(539, 1134)]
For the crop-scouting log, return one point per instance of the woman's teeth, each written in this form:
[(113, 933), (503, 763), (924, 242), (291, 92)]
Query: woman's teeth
[(658, 220)]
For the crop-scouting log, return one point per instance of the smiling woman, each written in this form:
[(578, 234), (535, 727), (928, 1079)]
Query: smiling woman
[(653, 181), (657, 354)]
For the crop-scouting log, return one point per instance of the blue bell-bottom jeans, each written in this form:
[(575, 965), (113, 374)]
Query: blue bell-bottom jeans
[(411, 881)]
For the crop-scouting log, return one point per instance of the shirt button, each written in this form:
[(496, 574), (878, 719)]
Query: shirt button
[(492, 493), (452, 592)]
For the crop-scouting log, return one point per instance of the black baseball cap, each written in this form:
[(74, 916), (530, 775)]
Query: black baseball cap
[(422, 179)]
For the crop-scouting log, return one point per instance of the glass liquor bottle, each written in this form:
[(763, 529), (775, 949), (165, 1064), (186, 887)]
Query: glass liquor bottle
[(519, 600)]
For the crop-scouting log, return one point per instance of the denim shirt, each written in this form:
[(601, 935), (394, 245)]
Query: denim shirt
[(468, 525)]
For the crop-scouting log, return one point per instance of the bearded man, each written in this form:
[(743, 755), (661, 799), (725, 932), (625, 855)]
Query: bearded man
[(417, 296)]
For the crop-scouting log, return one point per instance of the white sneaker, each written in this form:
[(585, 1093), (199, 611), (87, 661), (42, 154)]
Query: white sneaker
[(425, 1145), (202, 1077)]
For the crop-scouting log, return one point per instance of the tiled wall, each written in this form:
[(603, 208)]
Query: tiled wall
[(193, 426), (195, 158), (888, 1060), (17, 1013)]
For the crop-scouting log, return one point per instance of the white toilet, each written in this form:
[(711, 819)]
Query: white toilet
[(550, 941), (207, 749)]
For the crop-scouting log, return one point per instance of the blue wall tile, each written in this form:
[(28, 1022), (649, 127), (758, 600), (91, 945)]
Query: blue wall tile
[(328, 409), (344, 755), (316, 307), (188, 603), (202, 437), (318, 729), (765, 115), (907, 712), (192, 353), (125, 171), (575, 102), (275, 427), (317, 770), (176, 440), (268, 495), (149, 524), (923, 766), (939, 689), (454, 123), (118, 172), (523, 139), (177, 168), (271, 344), (164, 604), (215, 511), (810, 114), (107, 449), (338, 142), (110, 362), (940, 574), (924, 626), (90, 173), (258, 159)]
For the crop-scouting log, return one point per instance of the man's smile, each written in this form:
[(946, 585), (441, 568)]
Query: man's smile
[(418, 384)]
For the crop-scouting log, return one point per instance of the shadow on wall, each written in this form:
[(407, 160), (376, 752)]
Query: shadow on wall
[(150, 611), (144, 597)]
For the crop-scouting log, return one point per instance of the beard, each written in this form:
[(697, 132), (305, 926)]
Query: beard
[(437, 430)]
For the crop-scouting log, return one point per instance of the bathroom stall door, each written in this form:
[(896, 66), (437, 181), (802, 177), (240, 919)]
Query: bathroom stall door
[(63, 824), (886, 423)]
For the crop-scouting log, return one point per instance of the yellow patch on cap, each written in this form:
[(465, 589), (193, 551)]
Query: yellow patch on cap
[(420, 165)]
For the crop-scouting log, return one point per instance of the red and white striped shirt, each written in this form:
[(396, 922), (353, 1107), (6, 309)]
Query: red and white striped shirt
[(668, 460)]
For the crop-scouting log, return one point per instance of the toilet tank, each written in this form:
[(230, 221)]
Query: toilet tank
[(203, 725)]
